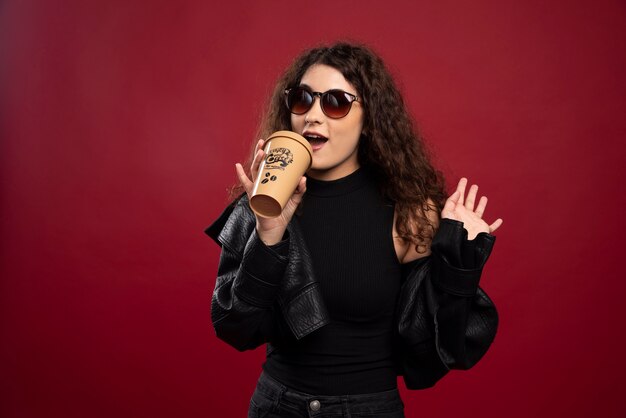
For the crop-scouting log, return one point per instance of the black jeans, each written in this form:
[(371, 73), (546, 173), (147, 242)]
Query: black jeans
[(271, 399)]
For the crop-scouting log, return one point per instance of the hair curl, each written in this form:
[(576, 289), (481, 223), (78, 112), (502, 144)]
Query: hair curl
[(390, 145)]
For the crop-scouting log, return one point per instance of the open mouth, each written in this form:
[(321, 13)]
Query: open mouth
[(316, 141)]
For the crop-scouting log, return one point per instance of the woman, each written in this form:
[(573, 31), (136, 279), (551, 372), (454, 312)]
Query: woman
[(369, 272)]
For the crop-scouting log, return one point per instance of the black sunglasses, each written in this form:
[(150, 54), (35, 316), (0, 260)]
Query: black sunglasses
[(335, 103)]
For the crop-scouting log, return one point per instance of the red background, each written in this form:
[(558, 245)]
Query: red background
[(121, 125)]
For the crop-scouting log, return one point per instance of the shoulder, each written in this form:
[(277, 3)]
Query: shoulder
[(406, 251)]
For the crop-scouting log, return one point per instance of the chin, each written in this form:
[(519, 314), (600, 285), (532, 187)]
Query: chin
[(317, 166)]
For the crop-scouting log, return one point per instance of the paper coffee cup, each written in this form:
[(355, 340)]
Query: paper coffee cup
[(287, 157)]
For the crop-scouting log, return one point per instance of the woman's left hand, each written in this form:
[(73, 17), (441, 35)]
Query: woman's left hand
[(462, 209)]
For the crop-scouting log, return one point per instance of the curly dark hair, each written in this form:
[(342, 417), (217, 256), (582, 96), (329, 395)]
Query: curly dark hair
[(390, 146)]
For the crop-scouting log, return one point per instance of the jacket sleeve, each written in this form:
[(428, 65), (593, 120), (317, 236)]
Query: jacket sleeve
[(446, 320), (243, 311)]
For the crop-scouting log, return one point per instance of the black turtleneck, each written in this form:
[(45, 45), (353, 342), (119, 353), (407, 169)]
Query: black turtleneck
[(347, 226)]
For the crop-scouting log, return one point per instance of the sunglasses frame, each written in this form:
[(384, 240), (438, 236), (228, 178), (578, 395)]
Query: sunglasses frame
[(349, 96)]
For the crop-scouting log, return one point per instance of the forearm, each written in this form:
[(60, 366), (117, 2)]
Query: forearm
[(246, 288), (466, 319), (443, 315)]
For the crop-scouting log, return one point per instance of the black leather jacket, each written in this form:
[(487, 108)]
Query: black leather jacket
[(443, 319)]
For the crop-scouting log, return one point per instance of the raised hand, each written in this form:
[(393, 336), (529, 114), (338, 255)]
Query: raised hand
[(270, 230), (462, 209)]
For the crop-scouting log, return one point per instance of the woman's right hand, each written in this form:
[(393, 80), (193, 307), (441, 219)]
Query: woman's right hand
[(270, 230)]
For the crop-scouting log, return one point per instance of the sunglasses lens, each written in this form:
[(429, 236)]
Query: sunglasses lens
[(299, 101), (336, 104)]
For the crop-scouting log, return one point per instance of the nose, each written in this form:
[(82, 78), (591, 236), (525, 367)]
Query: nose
[(315, 113)]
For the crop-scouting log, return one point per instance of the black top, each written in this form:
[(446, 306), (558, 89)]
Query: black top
[(347, 227)]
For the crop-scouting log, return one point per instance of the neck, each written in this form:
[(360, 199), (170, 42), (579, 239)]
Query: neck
[(329, 175)]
